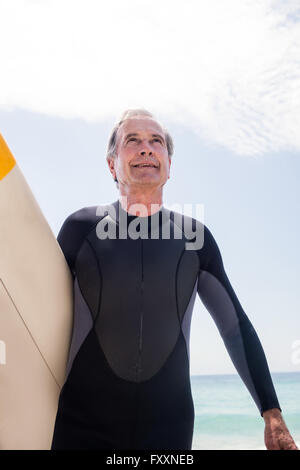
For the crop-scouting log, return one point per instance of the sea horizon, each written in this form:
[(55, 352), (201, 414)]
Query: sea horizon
[(236, 374), (226, 416)]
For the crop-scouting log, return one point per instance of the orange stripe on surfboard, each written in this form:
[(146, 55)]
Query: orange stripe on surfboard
[(7, 161)]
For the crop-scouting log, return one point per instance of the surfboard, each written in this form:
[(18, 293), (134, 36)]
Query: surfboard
[(36, 314)]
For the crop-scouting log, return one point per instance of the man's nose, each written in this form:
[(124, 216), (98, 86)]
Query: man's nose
[(144, 152), (145, 148)]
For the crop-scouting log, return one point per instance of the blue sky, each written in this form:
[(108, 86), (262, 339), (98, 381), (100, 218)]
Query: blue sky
[(228, 93)]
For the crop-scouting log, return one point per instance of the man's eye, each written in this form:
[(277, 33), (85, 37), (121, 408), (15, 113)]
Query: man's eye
[(131, 138), (157, 140)]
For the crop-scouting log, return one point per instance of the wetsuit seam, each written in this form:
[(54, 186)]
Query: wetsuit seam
[(180, 228), (83, 240), (180, 333), (177, 268), (195, 283), (189, 298), (183, 317), (118, 377), (82, 295), (176, 290), (87, 335), (141, 307), (101, 279)]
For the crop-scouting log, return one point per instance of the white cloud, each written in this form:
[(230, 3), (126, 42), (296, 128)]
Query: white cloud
[(229, 69)]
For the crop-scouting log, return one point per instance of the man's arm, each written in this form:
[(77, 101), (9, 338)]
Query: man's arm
[(239, 336)]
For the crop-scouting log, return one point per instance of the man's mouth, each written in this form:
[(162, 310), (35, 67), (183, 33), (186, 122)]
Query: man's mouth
[(145, 165)]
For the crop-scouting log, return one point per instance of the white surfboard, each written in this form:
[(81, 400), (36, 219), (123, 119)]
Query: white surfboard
[(36, 307)]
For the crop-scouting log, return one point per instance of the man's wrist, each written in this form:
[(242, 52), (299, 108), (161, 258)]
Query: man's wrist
[(273, 413)]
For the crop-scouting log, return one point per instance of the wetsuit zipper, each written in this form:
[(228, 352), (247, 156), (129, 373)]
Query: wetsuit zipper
[(141, 316)]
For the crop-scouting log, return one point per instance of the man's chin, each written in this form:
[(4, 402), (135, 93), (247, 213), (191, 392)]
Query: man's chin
[(146, 181)]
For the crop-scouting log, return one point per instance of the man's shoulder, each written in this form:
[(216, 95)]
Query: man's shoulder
[(192, 228), (86, 215), (80, 222), (185, 221)]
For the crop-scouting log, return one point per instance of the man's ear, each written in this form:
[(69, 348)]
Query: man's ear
[(111, 166), (170, 161)]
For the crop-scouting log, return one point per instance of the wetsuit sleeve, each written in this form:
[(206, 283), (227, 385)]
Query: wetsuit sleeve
[(238, 334), (73, 232), (68, 243)]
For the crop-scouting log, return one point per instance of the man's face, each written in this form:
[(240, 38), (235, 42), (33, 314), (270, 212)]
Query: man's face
[(142, 155)]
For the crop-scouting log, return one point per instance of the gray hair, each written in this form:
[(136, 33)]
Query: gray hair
[(130, 113)]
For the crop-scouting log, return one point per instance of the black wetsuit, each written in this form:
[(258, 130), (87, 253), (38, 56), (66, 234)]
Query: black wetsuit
[(128, 378)]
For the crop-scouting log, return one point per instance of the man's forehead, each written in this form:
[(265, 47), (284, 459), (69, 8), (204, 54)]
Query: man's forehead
[(142, 124)]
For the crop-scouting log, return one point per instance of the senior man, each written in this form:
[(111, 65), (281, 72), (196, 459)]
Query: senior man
[(137, 268)]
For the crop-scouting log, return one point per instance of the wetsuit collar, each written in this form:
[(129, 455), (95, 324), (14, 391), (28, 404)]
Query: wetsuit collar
[(120, 212), (150, 223)]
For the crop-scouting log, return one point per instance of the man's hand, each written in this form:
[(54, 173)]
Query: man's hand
[(277, 436)]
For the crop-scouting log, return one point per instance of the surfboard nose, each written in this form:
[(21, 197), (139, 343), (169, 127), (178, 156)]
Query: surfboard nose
[(7, 161)]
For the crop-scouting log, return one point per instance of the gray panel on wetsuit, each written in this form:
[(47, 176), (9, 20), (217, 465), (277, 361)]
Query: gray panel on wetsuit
[(89, 277), (82, 324), (219, 304), (186, 322)]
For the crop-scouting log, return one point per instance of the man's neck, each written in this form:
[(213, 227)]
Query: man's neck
[(141, 203)]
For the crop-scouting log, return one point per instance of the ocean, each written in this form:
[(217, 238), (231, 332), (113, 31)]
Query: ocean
[(226, 417)]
